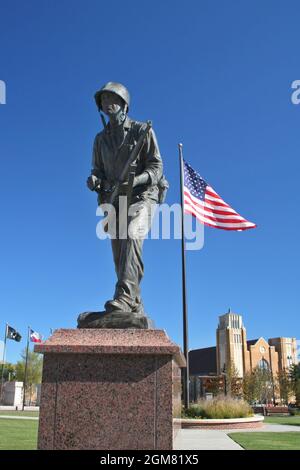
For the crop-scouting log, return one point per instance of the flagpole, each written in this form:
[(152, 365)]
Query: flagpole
[(184, 304), (26, 362), (3, 360)]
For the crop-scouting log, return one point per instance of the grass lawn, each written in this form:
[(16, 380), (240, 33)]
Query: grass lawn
[(19, 413), (18, 434), (267, 440), (291, 420)]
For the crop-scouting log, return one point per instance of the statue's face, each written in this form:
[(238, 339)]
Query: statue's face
[(111, 103)]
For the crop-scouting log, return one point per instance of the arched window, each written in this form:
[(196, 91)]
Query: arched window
[(263, 364)]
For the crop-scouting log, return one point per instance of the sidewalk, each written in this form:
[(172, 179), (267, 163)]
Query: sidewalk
[(19, 417), (19, 408), (202, 439)]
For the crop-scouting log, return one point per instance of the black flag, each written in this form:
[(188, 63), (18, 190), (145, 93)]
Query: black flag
[(13, 334)]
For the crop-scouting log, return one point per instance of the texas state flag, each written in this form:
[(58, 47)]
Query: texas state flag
[(35, 337)]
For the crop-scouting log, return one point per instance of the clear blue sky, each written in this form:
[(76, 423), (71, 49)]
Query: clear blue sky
[(216, 76)]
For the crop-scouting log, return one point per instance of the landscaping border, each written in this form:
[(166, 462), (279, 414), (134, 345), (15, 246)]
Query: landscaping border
[(231, 423)]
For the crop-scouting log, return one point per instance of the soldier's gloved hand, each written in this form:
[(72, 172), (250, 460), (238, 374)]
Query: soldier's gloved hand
[(144, 178), (93, 182)]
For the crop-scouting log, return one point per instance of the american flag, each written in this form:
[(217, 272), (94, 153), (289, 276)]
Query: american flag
[(207, 206)]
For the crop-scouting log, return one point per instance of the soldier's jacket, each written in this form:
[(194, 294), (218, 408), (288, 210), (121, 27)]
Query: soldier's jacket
[(111, 151)]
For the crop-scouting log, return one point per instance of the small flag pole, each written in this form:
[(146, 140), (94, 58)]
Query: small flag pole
[(184, 303), (26, 364), (3, 362)]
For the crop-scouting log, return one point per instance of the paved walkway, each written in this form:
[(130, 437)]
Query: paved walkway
[(19, 408), (202, 439), (18, 417)]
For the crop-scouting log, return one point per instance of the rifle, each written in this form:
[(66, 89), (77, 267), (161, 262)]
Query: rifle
[(128, 172)]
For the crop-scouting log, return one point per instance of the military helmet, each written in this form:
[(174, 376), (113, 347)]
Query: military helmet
[(116, 88)]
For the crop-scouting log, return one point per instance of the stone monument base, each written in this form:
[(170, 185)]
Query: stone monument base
[(116, 319), (108, 389)]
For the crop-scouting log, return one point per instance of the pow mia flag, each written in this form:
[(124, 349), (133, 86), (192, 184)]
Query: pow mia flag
[(13, 334)]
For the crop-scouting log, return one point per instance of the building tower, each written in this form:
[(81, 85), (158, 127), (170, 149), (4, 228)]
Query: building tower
[(231, 343)]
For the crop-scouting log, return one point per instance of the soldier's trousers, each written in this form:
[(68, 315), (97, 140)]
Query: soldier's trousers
[(127, 253)]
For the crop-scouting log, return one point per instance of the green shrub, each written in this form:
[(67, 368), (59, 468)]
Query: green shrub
[(219, 408), (194, 411)]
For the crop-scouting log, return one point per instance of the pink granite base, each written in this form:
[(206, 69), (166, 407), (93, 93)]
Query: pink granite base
[(109, 389)]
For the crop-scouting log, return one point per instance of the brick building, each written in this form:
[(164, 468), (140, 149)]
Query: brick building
[(233, 348)]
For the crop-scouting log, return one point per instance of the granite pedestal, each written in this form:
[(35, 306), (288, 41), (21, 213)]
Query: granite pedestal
[(109, 389)]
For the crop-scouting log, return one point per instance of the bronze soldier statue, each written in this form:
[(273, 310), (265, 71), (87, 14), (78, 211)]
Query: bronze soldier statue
[(120, 141)]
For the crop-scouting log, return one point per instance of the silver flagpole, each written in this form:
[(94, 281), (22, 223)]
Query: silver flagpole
[(26, 364), (3, 362), (184, 303)]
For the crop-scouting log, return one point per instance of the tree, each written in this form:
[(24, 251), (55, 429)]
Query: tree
[(34, 371), (263, 385), (258, 386), (249, 387), (285, 385), (214, 385), (9, 372), (295, 378), (233, 381)]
